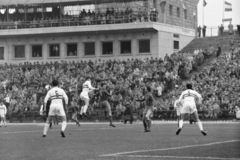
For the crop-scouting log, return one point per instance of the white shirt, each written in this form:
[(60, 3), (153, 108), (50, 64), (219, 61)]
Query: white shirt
[(7, 99), (190, 96), (87, 87), (56, 95)]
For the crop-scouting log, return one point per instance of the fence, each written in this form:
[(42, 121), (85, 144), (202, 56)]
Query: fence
[(101, 116), (212, 31)]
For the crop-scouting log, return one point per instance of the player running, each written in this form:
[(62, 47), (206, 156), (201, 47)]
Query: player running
[(148, 110), (188, 99), (104, 96), (3, 112), (87, 87), (56, 96), (75, 112)]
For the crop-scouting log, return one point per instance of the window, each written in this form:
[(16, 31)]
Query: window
[(178, 12), (185, 13), (170, 10), (89, 48), (54, 50), (144, 46), (176, 45), (126, 47), (19, 51), (1, 53), (72, 50), (176, 35), (107, 48), (37, 51)]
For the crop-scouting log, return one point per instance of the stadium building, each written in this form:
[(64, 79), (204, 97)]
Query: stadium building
[(74, 30)]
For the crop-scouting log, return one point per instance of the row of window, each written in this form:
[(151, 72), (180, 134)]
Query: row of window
[(178, 12), (72, 49), (89, 49)]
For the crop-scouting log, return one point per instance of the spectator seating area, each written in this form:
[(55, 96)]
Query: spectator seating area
[(25, 83), (110, 16)]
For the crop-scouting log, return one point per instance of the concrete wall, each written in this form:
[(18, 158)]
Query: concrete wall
[(160, 36)]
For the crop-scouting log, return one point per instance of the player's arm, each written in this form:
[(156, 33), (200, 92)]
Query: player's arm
[(5, 110), (199, 98), (65, 97), (45, 101), (181, 97), (90, 86)]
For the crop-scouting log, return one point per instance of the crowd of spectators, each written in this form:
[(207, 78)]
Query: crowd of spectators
[(24, 84), (219, 84), (110, 16)]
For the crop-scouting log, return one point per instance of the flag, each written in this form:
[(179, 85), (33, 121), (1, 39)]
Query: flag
[(227, 20), (227, 6), (204, 3)]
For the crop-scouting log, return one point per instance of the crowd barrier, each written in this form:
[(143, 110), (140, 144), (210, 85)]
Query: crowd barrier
[(100, 115)]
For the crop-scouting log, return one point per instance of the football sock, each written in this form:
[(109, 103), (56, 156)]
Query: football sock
[(145, 124), (149, 124), (180, 123), (110, 119), (85, 108), (46, 126), (64, 125), (200, 125)]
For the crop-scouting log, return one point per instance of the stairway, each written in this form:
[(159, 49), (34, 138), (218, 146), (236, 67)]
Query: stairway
[(204, 43)]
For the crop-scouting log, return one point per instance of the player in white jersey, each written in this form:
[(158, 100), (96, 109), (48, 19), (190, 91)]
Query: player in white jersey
[(3, 112), (86, 88), (56, 96), (189, 98)]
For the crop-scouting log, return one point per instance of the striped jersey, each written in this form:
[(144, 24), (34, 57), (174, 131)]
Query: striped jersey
[(190, 96), (87, 87), (56, 95)]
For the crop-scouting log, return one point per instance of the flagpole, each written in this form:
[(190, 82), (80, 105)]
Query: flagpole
[(223, 12), (203, 13)]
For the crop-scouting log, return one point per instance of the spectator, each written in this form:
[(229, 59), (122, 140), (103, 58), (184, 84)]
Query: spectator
[(221, 29), (219, 51), (238, 28), (230, 28), (199, 29), (204, 30)]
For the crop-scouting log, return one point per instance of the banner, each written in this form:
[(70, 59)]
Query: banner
[(227, 20), (228, 7)]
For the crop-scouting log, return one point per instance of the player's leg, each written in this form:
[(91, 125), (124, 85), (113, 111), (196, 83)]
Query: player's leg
[(180, 123), (199, 123), (0, 121), (74, 118), (148, 119), (4, 121), (62, 114), (144, 120), (47, 124), (108, 107)]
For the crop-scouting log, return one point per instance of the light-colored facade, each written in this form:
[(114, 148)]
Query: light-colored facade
[(162, 38)]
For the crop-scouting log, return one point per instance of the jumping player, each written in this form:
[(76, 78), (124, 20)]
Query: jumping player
[(87, 87), (188, 99), (56, 96), (148, 110), (3, 112), (104, 96)]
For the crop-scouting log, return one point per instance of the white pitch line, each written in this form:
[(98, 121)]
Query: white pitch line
[(86, 129), (166, 149), (175, 157)]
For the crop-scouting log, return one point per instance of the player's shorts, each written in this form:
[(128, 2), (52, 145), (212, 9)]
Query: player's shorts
[(188, 107), (2, 115), (56, 109), (148, 112), (106, 105), (84, 95)]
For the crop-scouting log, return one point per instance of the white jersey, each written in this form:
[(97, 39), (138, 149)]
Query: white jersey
[(190, 96), (178, 107), (56, 95), (3, 110), (87, 87)]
